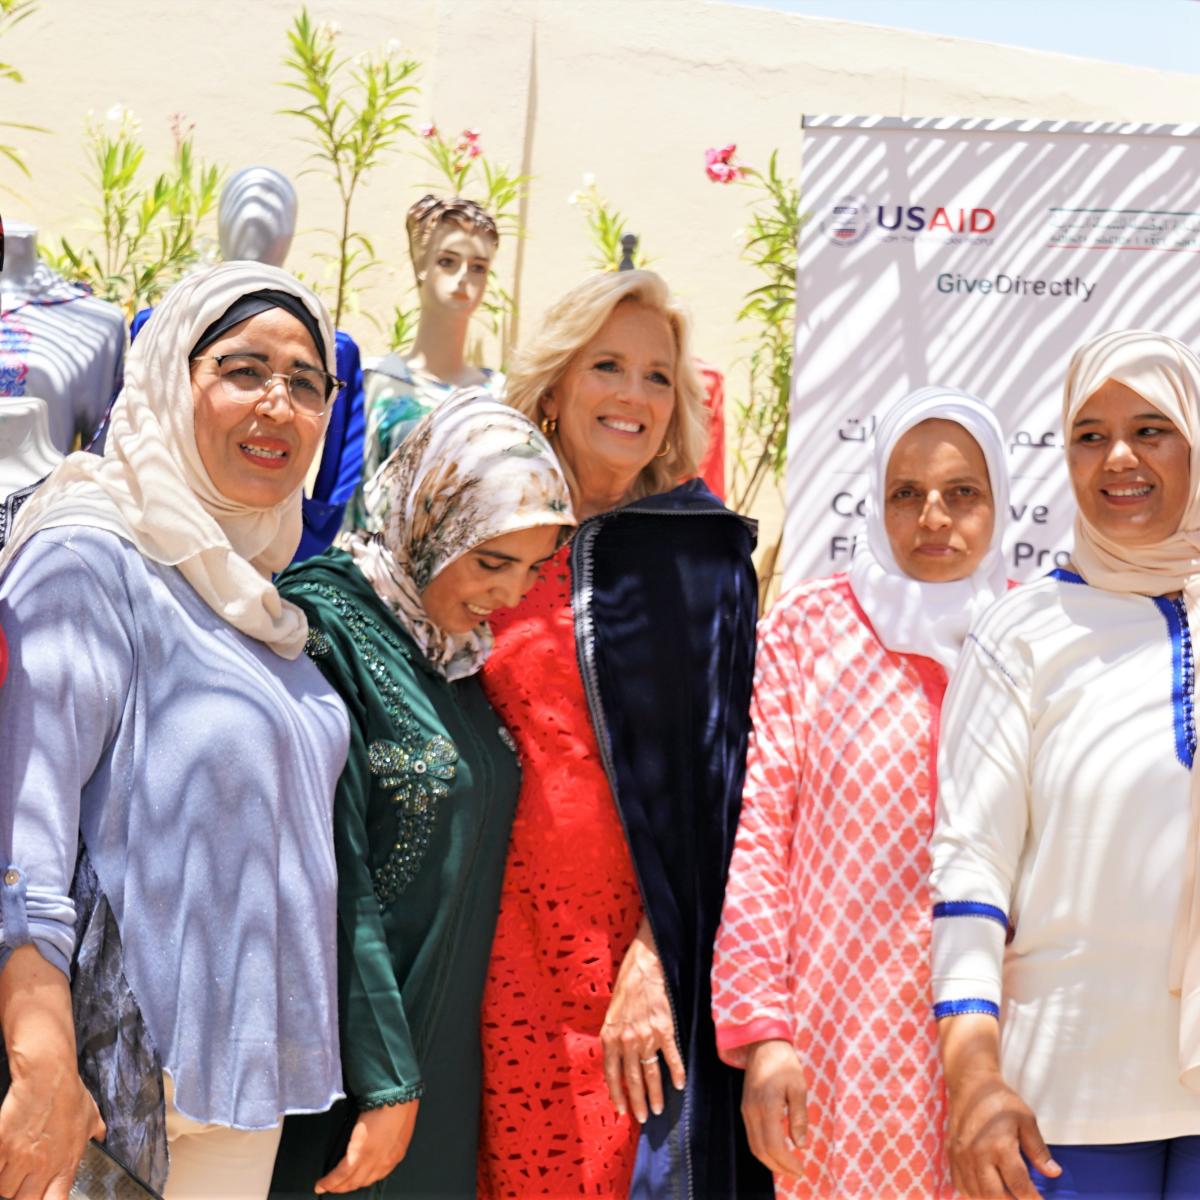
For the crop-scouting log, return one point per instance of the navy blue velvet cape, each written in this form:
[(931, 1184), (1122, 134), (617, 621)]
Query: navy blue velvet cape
[(665, 600)]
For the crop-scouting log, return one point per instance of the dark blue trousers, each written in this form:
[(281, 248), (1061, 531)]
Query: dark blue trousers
[(1164, 1170)]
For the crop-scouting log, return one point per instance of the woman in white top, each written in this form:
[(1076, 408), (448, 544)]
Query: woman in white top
[(1066, 825)]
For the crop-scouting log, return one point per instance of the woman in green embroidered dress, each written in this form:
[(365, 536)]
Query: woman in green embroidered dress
[(475, 502)]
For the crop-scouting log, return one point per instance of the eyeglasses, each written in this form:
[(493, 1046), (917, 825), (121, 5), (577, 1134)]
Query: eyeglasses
[(245, 380)]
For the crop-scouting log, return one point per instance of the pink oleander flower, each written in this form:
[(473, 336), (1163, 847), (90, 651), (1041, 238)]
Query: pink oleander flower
[(428, 130), (468, 143), (719, 164)]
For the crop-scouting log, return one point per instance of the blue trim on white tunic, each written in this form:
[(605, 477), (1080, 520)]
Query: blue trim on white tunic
[(958, 1008), (1175, 615), (970, 908), (1065, 576)]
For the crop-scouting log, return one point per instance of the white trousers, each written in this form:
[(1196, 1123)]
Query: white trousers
[(213, 1161)]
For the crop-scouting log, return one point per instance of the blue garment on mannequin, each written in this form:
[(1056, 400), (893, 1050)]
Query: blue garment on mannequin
[(341, 466), (1162, 1170)]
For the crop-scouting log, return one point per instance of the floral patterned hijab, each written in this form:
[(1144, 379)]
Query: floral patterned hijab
[(472, 470)]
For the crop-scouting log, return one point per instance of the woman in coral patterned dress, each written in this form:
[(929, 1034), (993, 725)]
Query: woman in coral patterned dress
[(625, 678), (821, 975)]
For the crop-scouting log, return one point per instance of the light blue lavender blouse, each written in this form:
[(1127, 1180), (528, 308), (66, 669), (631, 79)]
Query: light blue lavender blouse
[(199, 767)]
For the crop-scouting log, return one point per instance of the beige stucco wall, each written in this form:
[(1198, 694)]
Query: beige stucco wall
[(630, 90)]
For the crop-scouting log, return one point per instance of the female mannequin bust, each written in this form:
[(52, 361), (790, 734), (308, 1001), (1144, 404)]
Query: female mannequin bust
[(452, 243), (20, 278), (27, 455), (56, 341)]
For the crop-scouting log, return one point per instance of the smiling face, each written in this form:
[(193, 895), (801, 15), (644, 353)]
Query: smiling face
[(1130, 467), (456, 268), (257, 454), (495, 574), (614, 403), (938, 508)]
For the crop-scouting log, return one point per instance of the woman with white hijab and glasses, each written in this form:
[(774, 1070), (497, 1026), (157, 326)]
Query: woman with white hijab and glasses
[(167, 766), (821, 976), (1067, 917), (473, 503)]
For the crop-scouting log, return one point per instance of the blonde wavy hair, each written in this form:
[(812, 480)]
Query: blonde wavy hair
[(572, 322)]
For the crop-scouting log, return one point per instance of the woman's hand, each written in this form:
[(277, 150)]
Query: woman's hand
[(47, 1116), (637, 1028), (378, 1141), (775, 1105), (45, 1123), (990, 1125)]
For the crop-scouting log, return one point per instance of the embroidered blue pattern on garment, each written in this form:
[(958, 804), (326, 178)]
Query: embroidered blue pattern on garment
[(970, 908), (1182, 693), (956, 1008)]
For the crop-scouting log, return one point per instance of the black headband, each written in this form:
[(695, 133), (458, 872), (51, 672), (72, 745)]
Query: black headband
[(259, 302)]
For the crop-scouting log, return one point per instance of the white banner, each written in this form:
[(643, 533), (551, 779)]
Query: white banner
[(978, 255)]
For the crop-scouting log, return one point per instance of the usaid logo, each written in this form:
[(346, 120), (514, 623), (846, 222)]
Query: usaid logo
[(851, 218), (847, 221)]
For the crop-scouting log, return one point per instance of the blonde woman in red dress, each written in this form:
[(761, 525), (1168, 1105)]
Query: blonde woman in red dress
[(821, 976), (625, 678)]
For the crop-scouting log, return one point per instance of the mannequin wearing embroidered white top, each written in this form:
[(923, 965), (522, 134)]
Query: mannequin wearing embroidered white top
[(56, 341), (27, 455)]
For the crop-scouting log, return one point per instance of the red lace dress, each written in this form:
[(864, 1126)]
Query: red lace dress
[(568, 912)]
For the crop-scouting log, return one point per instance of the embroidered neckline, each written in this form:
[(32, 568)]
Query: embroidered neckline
[(11, 504)]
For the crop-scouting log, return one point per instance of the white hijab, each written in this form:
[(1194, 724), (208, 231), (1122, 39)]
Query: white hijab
[(151, 488), (909, 616)]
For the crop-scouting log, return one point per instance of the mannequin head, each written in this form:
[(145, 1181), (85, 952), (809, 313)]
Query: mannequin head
[(452, 243), (20, 253), (256, 216)]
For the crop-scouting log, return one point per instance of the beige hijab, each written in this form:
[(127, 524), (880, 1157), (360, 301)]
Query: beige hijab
[(1167, 374), (151, 488)]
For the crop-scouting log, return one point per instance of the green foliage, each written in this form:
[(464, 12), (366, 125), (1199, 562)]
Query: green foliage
[(148, 233), (12, 12), (405, 319), (355, 112), (463, 168), (606, 226), (769, 311)]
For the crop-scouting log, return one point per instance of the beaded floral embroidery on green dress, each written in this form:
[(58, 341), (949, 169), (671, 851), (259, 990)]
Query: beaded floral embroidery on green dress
[(416, 770), (417, 776)]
